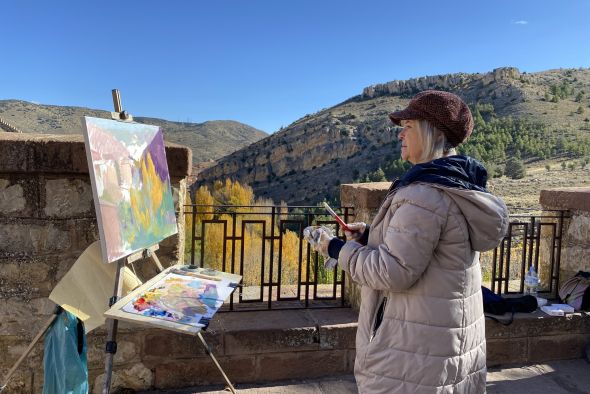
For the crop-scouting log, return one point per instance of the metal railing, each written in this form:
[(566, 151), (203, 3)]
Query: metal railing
[(531, 240), (265, 245)]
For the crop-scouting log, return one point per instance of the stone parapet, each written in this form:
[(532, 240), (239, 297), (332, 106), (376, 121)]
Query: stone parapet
[(566, 198), (537, 337), (65, 154), (269, 346), (250, 346), (575, 240), (47, 220), (366, 198)]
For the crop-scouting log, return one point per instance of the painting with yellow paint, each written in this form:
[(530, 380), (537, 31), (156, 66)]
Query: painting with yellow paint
[(130, 184)]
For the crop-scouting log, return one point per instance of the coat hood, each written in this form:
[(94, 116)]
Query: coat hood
[(486, 216), (464, 180)]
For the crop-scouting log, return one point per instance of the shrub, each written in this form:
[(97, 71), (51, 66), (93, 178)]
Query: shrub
[(515, 168)]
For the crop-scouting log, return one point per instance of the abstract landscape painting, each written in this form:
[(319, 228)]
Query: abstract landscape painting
[(131, 185), (179, 299)]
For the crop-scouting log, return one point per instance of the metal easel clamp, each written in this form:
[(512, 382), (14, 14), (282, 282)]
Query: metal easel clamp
[(113, 300), (111, 347), (147, 253)]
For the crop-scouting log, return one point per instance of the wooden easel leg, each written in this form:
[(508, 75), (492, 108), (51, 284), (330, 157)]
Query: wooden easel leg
[(46, 326), (112, 325), (210, 353)]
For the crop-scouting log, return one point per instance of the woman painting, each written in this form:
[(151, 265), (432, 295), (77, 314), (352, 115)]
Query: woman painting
[(421, 325)]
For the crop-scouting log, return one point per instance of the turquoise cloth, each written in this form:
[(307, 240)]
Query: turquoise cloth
[(66, 370)]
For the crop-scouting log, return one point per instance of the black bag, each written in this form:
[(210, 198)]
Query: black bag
[(494, 304)]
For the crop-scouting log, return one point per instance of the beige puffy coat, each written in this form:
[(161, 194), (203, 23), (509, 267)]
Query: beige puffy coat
[(422, 255)]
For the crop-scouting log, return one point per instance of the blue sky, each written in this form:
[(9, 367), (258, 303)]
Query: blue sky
[(267, 63)]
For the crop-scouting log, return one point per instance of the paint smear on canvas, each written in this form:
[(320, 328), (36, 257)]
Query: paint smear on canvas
[(131, 185)]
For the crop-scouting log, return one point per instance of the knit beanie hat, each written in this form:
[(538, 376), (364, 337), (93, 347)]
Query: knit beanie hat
[(444, 110)]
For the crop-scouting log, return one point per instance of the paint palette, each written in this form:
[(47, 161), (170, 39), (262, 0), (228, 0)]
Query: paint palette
[(181, 298)]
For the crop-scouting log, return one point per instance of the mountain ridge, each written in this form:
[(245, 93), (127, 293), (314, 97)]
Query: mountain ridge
[(209, 140), (306, 161)]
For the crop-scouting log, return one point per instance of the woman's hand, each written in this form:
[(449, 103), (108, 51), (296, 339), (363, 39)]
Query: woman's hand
[(324, 239), (357, 231), (319, 238)]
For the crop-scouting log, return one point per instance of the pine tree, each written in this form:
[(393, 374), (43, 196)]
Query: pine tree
[(515, 168)]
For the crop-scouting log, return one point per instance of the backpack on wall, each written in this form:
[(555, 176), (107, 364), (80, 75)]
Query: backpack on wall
[(576, 291)]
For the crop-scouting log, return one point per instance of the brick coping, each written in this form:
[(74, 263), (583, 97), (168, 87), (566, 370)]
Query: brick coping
[(53, 153)]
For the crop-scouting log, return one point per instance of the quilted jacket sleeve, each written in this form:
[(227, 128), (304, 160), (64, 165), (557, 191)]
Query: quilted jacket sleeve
[(404, 252)]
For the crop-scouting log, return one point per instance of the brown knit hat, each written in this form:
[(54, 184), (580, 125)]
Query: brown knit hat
[(446, 111)]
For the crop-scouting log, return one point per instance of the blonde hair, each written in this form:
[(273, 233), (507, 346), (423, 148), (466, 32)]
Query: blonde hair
[(434, 142)]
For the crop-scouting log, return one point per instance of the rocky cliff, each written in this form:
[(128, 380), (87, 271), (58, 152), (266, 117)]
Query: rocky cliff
[(308, 160)]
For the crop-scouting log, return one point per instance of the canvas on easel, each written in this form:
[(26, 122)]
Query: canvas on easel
[(135, 211), (130, 184)]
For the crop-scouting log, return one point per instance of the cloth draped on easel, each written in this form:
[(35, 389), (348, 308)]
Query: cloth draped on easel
[(65, 360)]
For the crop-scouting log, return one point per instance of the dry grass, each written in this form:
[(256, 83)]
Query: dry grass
[(524, 193)]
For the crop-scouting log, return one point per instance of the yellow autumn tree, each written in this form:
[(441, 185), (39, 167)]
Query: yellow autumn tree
[(255, 245)]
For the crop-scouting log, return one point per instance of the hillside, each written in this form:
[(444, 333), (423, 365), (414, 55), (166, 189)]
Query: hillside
[(306, 161), (209, 140)]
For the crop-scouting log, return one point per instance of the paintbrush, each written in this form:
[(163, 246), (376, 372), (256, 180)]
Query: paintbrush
[(195, 274), (335, 216)]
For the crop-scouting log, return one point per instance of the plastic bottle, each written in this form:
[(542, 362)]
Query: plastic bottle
[(531, 282)]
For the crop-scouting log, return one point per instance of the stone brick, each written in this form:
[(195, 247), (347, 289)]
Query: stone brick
[(128, 350), (20, 383), (171, 345), (33, 238), (341, 336), (86, 231), (24, 318), (574, 258), (136, 377), (567, 198), (538, 324), (506, 351), (351, 357), (578, 230), (337, 327), (67, 197), (12, 347), (26, 278), (282, 331), (557, 347), (575, 323), (202, 371), (366, 195), (296, 365), (279, 340), (14, 198)]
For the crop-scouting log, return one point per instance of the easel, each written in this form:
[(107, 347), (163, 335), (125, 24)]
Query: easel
[(112, 324)]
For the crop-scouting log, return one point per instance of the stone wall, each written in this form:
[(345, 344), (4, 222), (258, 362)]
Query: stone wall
[(366, 199), (46, 221), (575, 254)]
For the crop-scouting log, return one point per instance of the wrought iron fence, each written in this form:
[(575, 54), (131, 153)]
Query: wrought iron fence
[(531, 240), (265, 245)]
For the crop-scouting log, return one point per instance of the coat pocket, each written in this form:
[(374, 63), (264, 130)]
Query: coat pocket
[(378, 319)]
